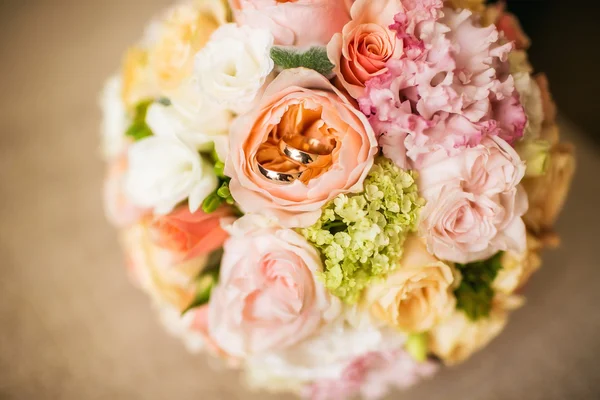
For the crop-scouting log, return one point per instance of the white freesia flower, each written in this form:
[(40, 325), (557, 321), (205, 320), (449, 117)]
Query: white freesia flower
[(114, 121), (164, 171), (200, 130), (234, 65)]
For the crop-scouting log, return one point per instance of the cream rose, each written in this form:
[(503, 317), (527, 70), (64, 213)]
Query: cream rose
[(157, 270), (361, 51), (268, 296), (457, 338), (548, 193), (299, 102), (417, 295), (178, 36), (474, 202), (234, 65), (162, 172), (517, 268), (294, 22)]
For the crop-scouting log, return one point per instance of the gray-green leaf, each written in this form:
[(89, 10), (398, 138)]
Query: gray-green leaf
[(314, 58)]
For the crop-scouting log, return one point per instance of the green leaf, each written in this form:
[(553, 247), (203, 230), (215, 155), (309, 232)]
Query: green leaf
[(416, 346), (220, 169), (138, 129), (314, 58), (223, 192), (211, 203), (474, 296), (206, 281)]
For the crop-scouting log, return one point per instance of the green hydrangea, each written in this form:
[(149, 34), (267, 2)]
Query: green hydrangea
[(361, 236)]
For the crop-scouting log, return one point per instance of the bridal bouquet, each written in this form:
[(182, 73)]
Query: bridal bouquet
[(334, 196)]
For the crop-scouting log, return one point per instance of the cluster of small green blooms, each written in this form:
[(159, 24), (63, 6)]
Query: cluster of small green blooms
[(361, 236)]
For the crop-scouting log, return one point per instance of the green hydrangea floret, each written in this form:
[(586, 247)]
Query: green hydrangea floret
[(361, 236)]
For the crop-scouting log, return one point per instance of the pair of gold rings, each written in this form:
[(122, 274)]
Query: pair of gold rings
[(306, 152)]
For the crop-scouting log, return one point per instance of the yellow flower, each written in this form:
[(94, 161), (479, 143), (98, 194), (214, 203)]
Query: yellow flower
[(138, 83), (185, 30), (518, 268), (164, 58), (457, 338), (547, 193), (418, 294), (158, 272)]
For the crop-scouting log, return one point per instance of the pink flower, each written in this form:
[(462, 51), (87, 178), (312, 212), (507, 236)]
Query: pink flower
[(372, 376), (191, 234), (119, 210), (361, 50), (474, 204), (450, 94), (294, 22), (299, 102), (268, 296)]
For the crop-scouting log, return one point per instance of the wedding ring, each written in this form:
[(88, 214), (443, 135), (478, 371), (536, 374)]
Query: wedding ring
[(304, 150), (279, 177)]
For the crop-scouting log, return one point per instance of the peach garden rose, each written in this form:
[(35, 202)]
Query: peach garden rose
[(299, 102)]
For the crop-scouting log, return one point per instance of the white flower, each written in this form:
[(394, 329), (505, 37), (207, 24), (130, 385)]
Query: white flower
[(164, 171), (322, 357), (114, 121), (200, 130), (234, 65)]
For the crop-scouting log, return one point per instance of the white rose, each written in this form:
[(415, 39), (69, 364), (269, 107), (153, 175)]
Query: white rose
[(114, 121), (234, 65), (164, 171), (199, 130)]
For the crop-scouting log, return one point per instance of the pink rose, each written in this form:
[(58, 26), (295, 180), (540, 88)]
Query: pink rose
[(119, 210), (294, 22), (268, 296), (474, 202), (299, 102), (366, 43), (189, 234), (372, 376)]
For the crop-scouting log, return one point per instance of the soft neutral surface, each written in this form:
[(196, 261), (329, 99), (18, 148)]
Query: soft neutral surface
[(73, 328)]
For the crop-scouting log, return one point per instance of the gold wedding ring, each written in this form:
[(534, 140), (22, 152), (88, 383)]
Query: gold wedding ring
[(303, 150), (278, 177)]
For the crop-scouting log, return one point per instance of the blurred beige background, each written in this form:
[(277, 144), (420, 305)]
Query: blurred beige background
[(73, 328)]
